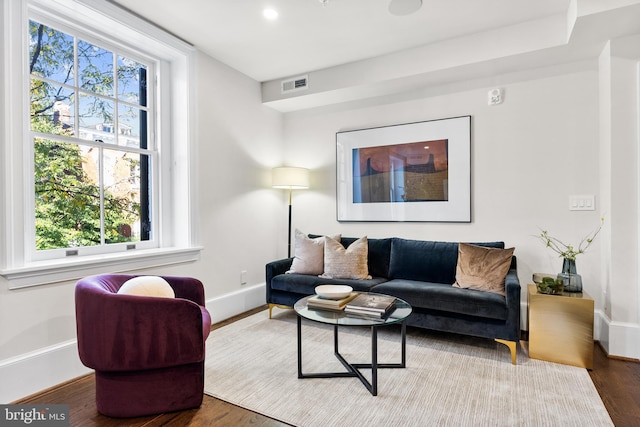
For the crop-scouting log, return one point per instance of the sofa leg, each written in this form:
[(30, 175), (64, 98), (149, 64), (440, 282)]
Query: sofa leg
[(512, 348), (271, 306)]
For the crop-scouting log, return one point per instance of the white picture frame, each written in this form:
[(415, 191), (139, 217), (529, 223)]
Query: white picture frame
[(414, 172)]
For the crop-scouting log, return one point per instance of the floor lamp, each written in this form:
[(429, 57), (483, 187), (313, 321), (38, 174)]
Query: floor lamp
[(290, 179)]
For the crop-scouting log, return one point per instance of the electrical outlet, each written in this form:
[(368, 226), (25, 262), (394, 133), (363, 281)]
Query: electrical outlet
[(243, 277)]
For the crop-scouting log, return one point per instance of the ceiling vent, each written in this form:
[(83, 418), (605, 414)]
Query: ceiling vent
[(295, 84)]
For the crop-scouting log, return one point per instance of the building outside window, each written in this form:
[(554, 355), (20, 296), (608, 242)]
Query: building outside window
[(97, 138), (87, 185)]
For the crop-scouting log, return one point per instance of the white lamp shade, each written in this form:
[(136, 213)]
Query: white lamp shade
[(290, 178)]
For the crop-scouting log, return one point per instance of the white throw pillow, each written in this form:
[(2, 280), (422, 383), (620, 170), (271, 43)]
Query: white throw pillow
[(147, 286), (349, 263), (309, 254)]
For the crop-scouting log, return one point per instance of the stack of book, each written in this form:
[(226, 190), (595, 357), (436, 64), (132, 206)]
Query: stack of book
[(318, 303), (372, 306)]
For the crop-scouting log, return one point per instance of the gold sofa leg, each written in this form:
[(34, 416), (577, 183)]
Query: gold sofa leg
[(512, 348), (271, 306)]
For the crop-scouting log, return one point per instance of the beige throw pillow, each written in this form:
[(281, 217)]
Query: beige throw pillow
[(147, 286), (482, 268), (309, 254), (350, 263)]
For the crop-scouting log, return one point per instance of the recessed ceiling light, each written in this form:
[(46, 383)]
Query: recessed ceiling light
[(270, 14), (404, 7)]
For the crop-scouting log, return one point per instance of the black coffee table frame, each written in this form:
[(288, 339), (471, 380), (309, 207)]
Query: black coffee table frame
[(353, 369)]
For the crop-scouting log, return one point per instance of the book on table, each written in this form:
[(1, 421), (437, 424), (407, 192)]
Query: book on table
[(317, 302), (371, 305)]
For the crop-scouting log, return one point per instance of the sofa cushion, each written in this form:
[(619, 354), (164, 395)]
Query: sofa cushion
[(346, 263), (304, 284), (147, 286), (444, 297), (427, 261), (378, 257), (379, 254), (483, 269), (308, 254)]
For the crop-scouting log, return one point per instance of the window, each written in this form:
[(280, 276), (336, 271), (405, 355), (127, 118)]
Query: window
[(89, 110), (97, 129)]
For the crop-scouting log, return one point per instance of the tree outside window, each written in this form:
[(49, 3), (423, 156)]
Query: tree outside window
[(89, 124)]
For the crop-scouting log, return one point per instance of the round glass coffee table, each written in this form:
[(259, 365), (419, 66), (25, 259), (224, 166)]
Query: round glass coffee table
[(340, 318)]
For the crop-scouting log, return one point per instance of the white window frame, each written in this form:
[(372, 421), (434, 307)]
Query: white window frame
[(175, 222), (37, 255)]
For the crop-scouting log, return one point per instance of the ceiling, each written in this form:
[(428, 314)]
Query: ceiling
[(309, 36)]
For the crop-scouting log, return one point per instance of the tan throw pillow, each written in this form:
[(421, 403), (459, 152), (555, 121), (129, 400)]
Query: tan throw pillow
[(309, 254), (350, 263), (481, 268)]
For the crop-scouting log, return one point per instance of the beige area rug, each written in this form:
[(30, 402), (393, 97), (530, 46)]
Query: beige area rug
[(450, 380)]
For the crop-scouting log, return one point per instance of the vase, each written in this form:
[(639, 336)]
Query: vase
[(571, 279)]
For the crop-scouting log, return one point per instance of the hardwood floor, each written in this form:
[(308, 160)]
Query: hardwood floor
[(617, 382)]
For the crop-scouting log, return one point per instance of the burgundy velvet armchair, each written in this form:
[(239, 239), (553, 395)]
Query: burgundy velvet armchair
[(147, 352)]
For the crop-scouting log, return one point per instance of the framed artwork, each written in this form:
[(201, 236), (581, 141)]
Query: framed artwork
[(409, 172)]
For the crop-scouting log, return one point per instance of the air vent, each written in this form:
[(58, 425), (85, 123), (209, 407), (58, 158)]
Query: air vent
[(295, 84)]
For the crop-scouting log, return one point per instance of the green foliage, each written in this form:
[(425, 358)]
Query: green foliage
[(67, 200), (550, 285), (569, 251)]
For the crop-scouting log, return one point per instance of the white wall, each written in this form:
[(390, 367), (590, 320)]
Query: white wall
[(559, 132), (528, 155), (238, 142), (619, 88)]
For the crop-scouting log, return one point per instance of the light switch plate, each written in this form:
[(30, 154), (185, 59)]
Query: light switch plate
[(582, 203)]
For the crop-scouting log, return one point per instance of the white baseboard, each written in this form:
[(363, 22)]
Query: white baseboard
[(619, 338), (32, 372), (231, 304)]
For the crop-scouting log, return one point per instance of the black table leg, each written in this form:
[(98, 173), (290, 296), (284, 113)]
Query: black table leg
[(299, 347), (353, 370), (404, 344), (374, 360)]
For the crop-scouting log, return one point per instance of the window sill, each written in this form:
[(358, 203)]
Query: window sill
[(42, 273)]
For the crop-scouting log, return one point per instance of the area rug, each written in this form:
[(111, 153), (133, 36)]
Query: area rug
[(450, 380)]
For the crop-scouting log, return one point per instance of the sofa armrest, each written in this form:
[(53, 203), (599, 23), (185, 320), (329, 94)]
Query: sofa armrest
[(512, 294), (274, 269), (512, 287)]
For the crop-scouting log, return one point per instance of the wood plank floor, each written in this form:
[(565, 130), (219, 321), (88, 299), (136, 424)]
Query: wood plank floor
[(617, 382)]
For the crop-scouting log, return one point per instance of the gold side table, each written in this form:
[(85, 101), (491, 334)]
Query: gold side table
[(561, 327)]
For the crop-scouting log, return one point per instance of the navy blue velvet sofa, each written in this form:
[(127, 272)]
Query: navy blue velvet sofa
[(421, 273)]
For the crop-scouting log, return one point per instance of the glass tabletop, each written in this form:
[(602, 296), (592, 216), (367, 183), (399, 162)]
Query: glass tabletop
[(400, 313)]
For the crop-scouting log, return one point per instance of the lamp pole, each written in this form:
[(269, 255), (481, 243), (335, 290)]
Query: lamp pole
[(289, 239), (290, 178)]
